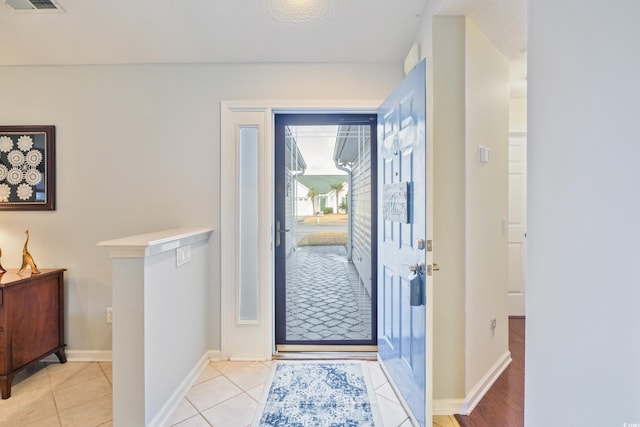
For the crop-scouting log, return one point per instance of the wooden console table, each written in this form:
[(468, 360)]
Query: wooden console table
[(31, 321)]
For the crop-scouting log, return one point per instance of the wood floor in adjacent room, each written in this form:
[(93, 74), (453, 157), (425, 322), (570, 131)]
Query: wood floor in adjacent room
[(503, 405)]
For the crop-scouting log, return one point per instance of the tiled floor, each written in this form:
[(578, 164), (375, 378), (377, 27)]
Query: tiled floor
[(225, 395), (238, 389), (53, 395)]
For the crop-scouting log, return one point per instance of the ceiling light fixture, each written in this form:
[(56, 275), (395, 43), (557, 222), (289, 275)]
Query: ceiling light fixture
[(298, 11)]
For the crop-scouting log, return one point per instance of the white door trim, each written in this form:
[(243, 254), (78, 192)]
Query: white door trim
[(256, 341)]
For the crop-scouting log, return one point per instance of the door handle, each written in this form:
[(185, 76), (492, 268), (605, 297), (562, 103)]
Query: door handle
[(416, 268), (278, 232)]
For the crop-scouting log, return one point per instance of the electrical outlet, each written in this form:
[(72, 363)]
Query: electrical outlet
[(109, 315)]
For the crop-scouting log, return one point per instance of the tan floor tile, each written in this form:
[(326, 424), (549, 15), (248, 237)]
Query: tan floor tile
[(249, 376), (378, 378), (257, 392), (184, 411), (71, 373), (107, 367), (387, 391), (80, 394), (226, 366), (207, 373), (204, 396), (27, 406), (31, 382), (235, 412), (197, 421), (37, 372), (392, 413), (51, 421), (92, 413)]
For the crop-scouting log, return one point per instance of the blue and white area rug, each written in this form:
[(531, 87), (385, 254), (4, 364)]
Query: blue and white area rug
[(319, 394)]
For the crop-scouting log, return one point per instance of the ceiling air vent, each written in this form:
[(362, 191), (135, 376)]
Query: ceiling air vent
[(35, 5)]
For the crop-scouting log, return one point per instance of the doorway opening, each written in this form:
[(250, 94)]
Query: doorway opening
[(325, 232)]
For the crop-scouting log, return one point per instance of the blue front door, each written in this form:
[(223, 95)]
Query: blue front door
[(402, 239)]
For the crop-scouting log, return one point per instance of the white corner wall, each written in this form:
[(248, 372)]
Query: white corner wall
[(471, 108), (449, 238), (487, 124), (138, 150), (583, 281), (159, 321)]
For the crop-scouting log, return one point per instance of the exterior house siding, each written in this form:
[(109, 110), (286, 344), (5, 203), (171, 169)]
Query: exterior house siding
[(361, 210)]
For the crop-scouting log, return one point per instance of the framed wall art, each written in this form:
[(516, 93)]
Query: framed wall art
[(27, 167)]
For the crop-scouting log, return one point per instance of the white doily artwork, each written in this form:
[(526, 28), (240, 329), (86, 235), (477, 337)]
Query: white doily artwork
[(15, 176), (34, 158), (23, 166), (6, 144), (16, 158), (25, 143), (24, 191), (32, 177)]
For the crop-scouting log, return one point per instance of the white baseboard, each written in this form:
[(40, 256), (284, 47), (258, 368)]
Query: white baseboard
[(162, 416), (215, 355), (466, 405), (447, 406), (83, 356), (477, 393)]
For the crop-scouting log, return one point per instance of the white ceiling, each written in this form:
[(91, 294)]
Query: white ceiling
[(225, 31)]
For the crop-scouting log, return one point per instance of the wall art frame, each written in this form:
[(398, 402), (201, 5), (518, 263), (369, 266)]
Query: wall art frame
[(27, 168)]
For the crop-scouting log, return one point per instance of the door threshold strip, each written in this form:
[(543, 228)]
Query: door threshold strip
[(327, 355)]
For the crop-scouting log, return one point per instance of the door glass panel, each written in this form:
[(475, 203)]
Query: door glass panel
[(248, 224), (327, 235)]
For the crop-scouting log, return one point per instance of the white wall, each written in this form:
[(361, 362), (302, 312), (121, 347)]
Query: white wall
[(449, 207), (518, 115), (471, 108), (138, 150), (487, 124), (583, 281)]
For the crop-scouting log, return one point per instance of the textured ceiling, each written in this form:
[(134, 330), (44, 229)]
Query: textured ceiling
[(151, 31), (504, 22), (223, 31)]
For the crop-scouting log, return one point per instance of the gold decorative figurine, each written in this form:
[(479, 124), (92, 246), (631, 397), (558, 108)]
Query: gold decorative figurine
[(2, 270), (27, 259)]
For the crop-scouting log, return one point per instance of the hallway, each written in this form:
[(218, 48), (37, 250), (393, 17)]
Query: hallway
[(503, 405)]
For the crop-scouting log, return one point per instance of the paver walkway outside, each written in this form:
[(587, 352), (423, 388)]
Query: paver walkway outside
[(326, 299)]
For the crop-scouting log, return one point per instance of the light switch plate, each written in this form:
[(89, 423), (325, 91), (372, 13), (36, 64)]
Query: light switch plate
[(183, 255), (484, 154)]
